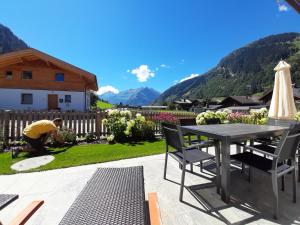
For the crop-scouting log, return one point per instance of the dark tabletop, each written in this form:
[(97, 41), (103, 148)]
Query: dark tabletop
[(235, 131)]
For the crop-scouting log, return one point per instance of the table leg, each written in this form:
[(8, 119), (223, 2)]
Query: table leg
[(225, 170), (238, 149), (218, 177)]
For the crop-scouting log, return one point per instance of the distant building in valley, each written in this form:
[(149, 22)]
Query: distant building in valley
[(233, 101)]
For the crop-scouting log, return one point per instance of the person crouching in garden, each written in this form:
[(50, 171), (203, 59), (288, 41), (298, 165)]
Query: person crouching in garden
[(37, 133)]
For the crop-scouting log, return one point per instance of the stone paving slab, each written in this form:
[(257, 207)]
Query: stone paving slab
[(250, 204), (32, 163)]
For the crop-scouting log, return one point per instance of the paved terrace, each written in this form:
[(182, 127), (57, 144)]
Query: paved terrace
[(251, 203)]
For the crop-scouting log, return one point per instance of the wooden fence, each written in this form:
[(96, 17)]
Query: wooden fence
[(13, 122)]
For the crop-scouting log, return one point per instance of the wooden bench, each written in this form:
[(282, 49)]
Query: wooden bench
[(25, 215)]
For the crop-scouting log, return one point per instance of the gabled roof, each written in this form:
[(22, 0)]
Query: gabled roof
[(296, 92), (183, 101), (33, 54), (244, 100)]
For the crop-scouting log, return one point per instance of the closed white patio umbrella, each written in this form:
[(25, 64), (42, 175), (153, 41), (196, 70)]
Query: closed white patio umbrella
[(282, 103)]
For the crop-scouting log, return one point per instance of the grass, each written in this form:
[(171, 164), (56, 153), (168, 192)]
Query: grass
[(87, 154), (104, 105)]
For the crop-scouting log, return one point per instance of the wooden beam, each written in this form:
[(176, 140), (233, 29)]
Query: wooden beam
[(154, 212), (295, 4), (25, 215)]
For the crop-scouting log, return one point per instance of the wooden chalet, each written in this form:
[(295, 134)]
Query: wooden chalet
[(33, 80)]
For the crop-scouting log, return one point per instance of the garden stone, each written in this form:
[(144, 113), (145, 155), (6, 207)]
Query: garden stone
[(32, 163)]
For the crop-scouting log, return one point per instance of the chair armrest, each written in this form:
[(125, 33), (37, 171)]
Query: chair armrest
[(257, 150), (201, 145)]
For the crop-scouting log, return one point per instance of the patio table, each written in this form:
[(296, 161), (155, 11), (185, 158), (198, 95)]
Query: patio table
[(227, 134)]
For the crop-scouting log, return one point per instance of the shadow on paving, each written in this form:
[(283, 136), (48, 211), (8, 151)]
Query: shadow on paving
[(250, 202)]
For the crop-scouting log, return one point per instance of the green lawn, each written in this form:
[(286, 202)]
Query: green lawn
[(104, 105), (87, 154)]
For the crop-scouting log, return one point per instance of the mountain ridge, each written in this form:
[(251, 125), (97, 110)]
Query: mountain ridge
[(246, 70), (9, 42), (135, 97)]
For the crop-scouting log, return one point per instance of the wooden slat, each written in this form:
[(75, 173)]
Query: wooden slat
[(12, 125), (79, 124), (87, 116), (83, 124), (154, 212), (75, 116), (18, 133), (25, 215)]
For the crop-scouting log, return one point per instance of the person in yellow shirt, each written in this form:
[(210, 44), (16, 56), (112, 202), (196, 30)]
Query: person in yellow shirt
[(37, 133)]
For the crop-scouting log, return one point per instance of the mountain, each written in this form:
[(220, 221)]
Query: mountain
[(134, 97), (10, 42), (245, 71)]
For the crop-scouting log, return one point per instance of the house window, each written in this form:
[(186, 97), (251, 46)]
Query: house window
[(59, 77), (8, 75), (27, 75), (68, 99), (26, 99)]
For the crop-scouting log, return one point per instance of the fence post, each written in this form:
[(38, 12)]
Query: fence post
[(98, 124), (6, 127)]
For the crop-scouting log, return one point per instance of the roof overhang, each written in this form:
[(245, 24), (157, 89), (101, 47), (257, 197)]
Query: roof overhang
[(295, 4), (31, 54)]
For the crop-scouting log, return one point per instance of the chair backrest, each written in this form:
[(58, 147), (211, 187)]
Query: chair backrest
[(288, 144), (169, 125), (213, 121), (173, 137), (187, 122)]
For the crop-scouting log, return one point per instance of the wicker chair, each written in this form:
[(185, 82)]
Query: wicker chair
[(184, 155), (277, 166)]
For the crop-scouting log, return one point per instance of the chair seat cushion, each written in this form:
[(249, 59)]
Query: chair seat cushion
[(266, 148), (254, 160), (267, 141), (192, 155)]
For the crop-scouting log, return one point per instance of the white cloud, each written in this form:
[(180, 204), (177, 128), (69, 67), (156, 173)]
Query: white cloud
[(143, 73), (282, 8), (128, 71), (193, 75), (108, 88), (165, 66)]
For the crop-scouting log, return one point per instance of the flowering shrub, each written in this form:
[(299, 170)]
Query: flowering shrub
[(165, 117), (297, 117), (123, 127), (68, 136), (255, 117), (236, 117), (222, 115), (260, 116)]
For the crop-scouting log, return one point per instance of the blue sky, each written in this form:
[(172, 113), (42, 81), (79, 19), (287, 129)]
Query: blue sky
[(137, 43)]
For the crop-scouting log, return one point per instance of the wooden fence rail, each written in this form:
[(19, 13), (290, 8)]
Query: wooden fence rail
[(13, 122)]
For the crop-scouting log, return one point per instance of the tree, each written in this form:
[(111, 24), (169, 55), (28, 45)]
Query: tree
[(93, 99)]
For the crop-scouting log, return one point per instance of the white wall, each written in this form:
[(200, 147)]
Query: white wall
[(11, 99)]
